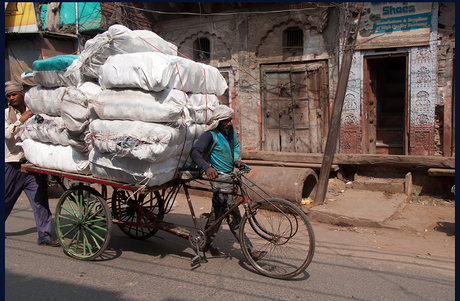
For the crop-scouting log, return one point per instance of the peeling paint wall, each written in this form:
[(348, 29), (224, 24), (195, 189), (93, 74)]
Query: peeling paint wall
[(351, 123), (429, 84), (241, 43)]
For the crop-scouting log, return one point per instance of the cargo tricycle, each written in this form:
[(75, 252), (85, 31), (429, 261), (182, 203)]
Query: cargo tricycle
[(275, 227)]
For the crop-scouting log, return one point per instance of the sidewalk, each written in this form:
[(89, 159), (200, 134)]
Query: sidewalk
[(363, 208), (351, 208), (357, 208)]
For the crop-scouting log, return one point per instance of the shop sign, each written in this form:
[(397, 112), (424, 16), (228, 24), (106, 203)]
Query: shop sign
[(394, 24)]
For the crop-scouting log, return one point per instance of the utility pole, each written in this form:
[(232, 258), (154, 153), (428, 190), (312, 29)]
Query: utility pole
[(331, 142), (76, 27)]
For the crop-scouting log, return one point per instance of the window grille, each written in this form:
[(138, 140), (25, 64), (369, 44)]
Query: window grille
[(201, 50), (293, 40)]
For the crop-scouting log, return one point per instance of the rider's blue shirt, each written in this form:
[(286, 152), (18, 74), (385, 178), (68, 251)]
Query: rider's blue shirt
[(223, 154)]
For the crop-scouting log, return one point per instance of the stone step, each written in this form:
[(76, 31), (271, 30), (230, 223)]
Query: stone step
[(396, 185)]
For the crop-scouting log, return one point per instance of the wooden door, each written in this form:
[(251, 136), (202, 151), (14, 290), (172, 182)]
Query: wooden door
[(385, 105), (295, 107)]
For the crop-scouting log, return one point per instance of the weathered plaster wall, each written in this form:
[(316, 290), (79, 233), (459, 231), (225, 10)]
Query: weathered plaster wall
[(423, 93), (446, 54), (243, 42), (265, 41)]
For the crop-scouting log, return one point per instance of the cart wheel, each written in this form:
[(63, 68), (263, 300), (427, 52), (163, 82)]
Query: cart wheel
[(126, 209), (83, 222)]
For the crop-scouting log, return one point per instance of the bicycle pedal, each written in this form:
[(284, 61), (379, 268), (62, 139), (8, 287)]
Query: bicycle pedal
[(195, 261), (205, 215)]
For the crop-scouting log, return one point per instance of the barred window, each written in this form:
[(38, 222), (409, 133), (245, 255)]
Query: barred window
[(293, 40), (201, 50)]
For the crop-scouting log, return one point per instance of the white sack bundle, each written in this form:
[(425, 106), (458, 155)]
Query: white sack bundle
[(58, 157), (117, 39), (81, 142), (152, 71), (42, 100), (74, 110), (165, 106), (50, 72), (46, 129), (151, 142), (55, 78), (201, 107), (134, 171)]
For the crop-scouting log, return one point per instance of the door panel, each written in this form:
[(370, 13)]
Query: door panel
[(295, 106), (287, 140), (272, 139), (385, 104), (302, 144)]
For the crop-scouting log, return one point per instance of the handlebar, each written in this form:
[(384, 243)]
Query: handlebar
[(244, 169)]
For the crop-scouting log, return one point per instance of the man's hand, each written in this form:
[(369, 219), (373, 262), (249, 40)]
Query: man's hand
[(237, 164), (211, 173), (26, 115)]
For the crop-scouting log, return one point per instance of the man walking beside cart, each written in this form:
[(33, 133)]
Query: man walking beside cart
[(34, 185), (219, 144)]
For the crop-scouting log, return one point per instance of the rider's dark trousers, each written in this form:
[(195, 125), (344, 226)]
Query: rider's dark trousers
[(220, 203)]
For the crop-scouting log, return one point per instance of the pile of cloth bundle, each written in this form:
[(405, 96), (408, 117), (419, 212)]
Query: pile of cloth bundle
[(137, 107)]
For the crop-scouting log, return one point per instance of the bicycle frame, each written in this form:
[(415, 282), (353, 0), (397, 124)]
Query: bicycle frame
[(185, 234)]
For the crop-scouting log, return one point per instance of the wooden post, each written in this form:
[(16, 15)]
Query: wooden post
[(331, 141)]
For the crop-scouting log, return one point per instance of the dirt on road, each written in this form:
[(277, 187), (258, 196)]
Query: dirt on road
[(422, 228)]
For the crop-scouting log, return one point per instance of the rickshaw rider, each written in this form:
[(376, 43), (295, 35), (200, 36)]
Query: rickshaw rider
[(220, 146)]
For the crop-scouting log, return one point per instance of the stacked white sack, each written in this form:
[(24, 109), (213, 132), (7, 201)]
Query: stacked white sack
[(133, 171), (167, 106), (55, 156), (50, 72), (59, 126), (152, 142), (44, 140), (51, 79), (140, 138), (75, 110), (152, 71), (77, 115), (46, 129), (47, 101), (144, 135), (116, 40)]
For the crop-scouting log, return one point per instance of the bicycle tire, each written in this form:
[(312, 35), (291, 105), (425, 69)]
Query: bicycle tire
[(83, 222), (281, 229)]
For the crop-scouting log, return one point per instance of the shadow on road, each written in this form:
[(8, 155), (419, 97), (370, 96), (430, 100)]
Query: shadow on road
[(446, 227), (24, 287)]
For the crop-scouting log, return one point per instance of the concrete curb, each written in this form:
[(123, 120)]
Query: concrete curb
[(342, 220)]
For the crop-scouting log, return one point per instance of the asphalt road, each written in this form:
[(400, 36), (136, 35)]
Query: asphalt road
[(345, 266)]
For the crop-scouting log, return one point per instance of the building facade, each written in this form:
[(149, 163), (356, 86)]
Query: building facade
[(282, 62)]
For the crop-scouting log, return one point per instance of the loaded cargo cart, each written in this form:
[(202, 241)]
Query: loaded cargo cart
[(278, 238)]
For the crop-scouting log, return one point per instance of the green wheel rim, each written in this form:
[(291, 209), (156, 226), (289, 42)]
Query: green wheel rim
[(83, 223)]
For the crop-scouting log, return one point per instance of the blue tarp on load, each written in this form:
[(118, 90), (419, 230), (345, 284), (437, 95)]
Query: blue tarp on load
[(58, 62)]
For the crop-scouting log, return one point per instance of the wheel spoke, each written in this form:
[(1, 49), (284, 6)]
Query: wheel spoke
[(94, 233), (67, 218), (283, 232), (68, 232), (135, 212), (71, 206)]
